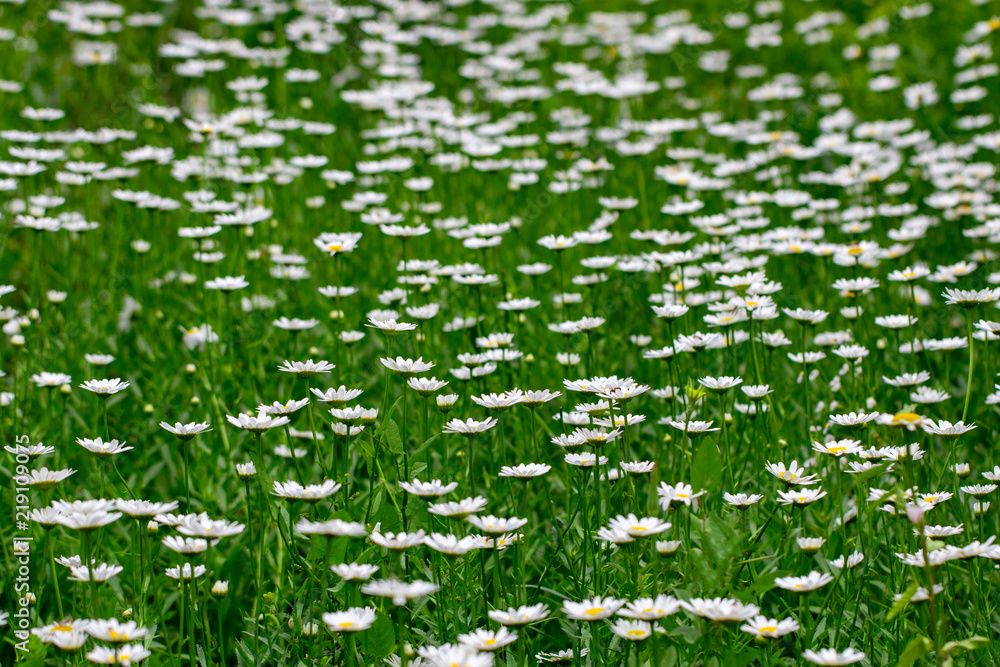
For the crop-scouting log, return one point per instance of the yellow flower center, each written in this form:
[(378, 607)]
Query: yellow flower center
[(594, 611)]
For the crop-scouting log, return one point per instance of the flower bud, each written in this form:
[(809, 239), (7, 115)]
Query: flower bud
[(220, 589)]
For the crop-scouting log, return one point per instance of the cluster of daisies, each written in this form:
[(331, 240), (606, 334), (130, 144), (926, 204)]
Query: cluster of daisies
[(453, 333)]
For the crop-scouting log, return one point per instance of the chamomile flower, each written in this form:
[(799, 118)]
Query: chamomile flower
[(525, 470), (460, 509), (262, 422), (354, 619), (792, 475), (397, 541), (650, 609), (720, 609), (102, 449), (838, 448), (488, 640), (523, 615), (496, 525), (851, 560), (681, 492), (636, 527), (742, 501), (832, 657), (470, 427), (770, 628), (810, 544), (399, 592), (105, 388), (800, 497), (312, 493), (450, 545), (633, 631), (432, 489), (308, 368), (186, 431), (970, 298), (592, 609)]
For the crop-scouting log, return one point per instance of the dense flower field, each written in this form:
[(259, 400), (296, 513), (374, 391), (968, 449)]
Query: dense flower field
[(499, 332)]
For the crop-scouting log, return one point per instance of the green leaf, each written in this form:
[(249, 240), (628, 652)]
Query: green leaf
[(427, 443), (152, 473), (915, 650), (387, 417), (717, 543), (367, 451), (30, 651), (264, 481), (765, 582), (379, 641), (903, 600), (690, 633), (392, 439), (707, 465), (970, 644), (869, 474)]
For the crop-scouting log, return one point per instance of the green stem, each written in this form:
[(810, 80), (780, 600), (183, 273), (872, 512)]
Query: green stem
[(55, 574), (968, 382), (222, 634)]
